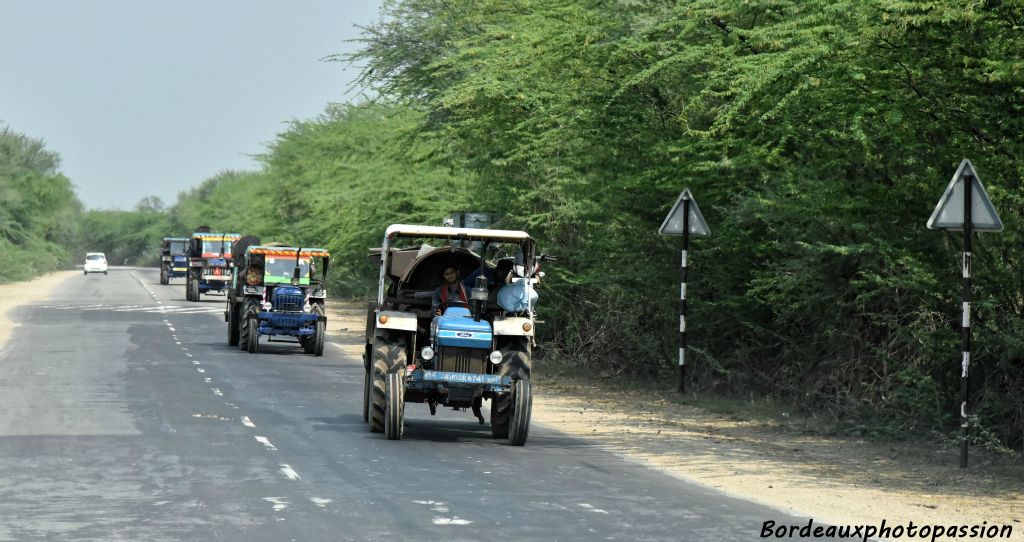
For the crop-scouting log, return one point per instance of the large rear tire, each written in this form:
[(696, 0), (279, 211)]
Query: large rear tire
[(367, 391), (234, 334), (388, 356), (522, 407), (394, 404), (163, 276)]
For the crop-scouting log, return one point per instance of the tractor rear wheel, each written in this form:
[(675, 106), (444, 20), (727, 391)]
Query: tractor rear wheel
[(234, 333), (250, 336), (163, 276), (522, 406), (394, 404), (367, 391), (388, 356)]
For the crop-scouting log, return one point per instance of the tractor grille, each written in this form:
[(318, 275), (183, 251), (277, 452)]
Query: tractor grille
[(462, 360), (287, 322), (288, 302)]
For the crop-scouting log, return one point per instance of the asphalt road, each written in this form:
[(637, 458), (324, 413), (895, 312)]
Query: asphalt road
[(124, 415)]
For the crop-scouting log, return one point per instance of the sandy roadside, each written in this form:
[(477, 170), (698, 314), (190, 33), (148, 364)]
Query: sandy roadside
[(18, 293), (841, 481)]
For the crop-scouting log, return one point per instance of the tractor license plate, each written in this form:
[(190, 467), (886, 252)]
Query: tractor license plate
[(464, 378)]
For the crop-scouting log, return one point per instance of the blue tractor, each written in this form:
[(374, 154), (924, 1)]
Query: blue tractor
[(173, 259), (470, 348), (210, 265), (278, 292)]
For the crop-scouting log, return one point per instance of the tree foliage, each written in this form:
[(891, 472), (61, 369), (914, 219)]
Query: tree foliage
[(38, 208)]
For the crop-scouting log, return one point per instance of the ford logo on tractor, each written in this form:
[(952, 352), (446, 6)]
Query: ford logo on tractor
[(464, 335)]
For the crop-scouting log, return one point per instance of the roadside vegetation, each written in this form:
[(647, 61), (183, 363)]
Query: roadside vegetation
[(816, 137)]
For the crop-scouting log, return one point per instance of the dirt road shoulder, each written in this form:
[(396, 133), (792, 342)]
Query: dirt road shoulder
[(15, 294)]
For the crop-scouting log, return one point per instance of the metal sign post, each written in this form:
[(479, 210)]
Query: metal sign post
[(965, 206), (684, 219)]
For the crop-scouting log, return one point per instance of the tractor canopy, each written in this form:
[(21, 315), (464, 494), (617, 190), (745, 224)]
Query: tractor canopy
[(174, 246), (213, 245), (278, 263), (413, 257)]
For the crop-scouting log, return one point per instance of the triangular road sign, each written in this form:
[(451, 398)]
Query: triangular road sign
[(949, 213), (673, 224)]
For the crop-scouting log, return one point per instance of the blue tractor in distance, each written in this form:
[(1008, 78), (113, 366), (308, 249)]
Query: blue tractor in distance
[(278, 291), (173, 260), (209, 262)]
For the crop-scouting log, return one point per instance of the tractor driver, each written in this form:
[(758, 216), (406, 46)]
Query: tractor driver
[(254, 275), (451, 288)]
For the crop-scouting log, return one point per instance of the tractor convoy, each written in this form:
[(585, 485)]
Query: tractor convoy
[(452, 325)]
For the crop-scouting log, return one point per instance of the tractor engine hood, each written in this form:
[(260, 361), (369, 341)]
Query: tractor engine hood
[(456, 327)]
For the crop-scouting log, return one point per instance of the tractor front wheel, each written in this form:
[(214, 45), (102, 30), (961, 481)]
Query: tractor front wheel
[(388, 356), (163, 276), (501, 414), (522, 406), (314, 344), (250, 336), (394, 404)]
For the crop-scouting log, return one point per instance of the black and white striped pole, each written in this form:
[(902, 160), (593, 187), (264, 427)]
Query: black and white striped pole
[(685, 220), (682, 293), (965, 206)]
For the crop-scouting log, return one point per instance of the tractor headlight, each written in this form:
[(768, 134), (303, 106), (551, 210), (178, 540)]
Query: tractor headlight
[(427, 353), (307, 308), (495, 357), (267, 306)]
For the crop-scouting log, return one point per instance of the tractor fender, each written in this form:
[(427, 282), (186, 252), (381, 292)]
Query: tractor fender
[(396, 320), (513, 325)]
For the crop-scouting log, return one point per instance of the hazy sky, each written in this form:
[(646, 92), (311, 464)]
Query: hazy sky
[(151, 98)]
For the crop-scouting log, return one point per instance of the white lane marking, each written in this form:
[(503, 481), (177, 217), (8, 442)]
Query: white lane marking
[(194, 362), (288, 471), (321, 502), (172, 329), (187, 355), (591, 508), (176, 341), (208, 380), (200, 369), (266, 442), (247, 422), (280, 503), (216, 391), (454, 520)]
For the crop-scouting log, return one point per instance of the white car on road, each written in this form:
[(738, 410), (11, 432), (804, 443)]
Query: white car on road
[(95, 262)]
